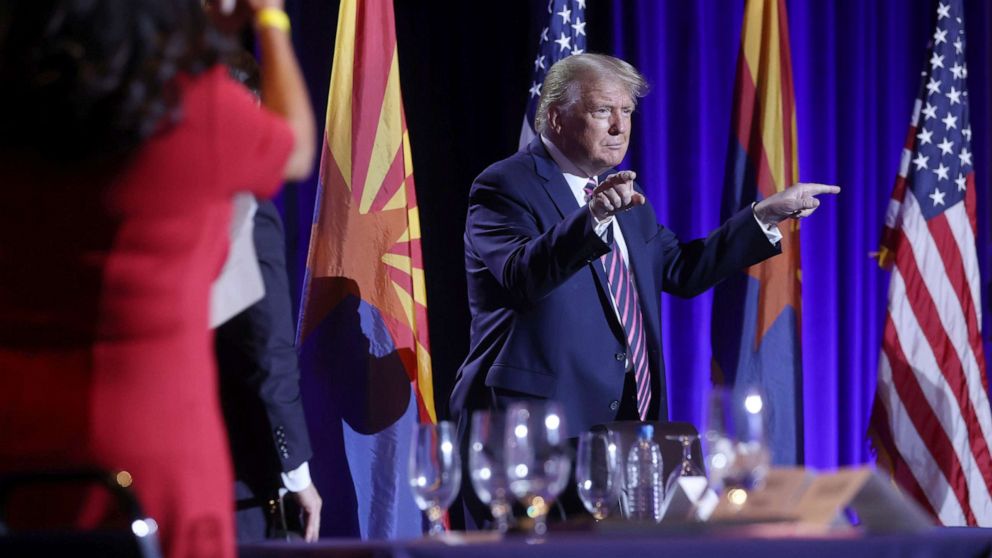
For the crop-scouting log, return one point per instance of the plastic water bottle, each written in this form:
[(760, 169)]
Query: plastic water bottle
[(644, 477)]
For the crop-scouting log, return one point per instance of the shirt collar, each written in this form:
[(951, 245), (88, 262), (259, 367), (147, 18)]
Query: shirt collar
[(573, 175)]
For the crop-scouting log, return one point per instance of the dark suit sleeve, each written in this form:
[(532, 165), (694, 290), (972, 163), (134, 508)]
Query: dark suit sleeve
[(503, 231), (692, 267), (257, 353)]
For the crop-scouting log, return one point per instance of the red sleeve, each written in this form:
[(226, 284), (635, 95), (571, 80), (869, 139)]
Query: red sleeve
[(253, 144)]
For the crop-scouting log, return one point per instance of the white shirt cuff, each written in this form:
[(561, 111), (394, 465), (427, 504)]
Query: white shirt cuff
[(298, 479), (601, 227), (771, 231)]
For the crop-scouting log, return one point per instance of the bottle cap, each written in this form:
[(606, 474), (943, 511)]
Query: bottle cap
[(646, 432)]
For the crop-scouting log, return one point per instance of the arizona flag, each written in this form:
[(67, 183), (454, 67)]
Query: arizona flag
[(756, 315), (931, 423), (363, 315)]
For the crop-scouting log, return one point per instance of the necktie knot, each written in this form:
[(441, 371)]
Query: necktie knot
[(589, 187)]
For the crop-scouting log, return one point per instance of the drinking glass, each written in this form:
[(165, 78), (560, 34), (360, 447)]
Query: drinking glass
[(487, 465), (597, 472), (435, 471), (687, 468), (737, 455), (536, 457)]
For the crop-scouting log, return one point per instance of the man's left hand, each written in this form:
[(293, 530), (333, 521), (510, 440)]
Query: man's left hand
[(309, 500), (794, 202)]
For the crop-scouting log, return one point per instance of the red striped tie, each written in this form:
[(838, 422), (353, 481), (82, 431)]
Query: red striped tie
[(629, 310)]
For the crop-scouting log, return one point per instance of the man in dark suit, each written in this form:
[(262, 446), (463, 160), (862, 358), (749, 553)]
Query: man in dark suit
[(260, 383), (566, 262), (260, 398)]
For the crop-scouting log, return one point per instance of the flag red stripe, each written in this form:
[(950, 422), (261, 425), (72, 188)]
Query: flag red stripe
[(924, 420), (375, 43), (969, 205)]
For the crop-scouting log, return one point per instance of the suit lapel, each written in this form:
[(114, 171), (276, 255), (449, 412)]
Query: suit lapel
[(554, 181), (561, 195)]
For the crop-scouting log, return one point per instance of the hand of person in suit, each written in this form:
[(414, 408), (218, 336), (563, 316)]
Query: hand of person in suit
[(794, 202), (310, 502), (615, 194)]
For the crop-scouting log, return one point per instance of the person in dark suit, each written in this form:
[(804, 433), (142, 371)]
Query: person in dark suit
[(260, 398), (260, 386), (566, 262)]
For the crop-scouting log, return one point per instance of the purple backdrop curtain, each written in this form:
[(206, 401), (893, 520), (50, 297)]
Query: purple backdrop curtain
[(856, 67)]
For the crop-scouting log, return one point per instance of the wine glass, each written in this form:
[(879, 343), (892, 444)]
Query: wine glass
[(435, 471), (597, 472), (486, 465), (718, 437), (536, 457), (687, 468), (737, 454)]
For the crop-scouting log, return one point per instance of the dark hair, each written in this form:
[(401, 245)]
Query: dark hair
[(243, 68), (88, 79)]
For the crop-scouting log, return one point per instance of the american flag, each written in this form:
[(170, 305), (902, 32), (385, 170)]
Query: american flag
[(564, 36), (931, 421)]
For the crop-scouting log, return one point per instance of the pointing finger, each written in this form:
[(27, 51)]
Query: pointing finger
[(618, 178), (627, 175), (814, 189)]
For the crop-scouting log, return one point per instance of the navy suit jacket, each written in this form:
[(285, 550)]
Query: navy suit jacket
[(259, 374), (542, 319)]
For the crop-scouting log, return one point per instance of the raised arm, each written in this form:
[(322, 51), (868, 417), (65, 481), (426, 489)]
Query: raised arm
[(283, 88)]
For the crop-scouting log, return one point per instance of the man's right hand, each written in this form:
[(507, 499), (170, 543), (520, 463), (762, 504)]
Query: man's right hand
[(309, 500), (794, 202), (615, 194)]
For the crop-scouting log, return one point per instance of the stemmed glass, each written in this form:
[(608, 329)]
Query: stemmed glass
[(737, 453), (536, 457), (719, 438), (598, 472), (486, 465), (687, 468), (435, 471)]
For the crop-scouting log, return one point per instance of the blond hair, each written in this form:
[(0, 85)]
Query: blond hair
[(561, 84)]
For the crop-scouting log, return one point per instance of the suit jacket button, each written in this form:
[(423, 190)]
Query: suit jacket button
[(614, 405), (620, 356)]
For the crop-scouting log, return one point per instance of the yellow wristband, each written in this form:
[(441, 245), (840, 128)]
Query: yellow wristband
[(272, 17)]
